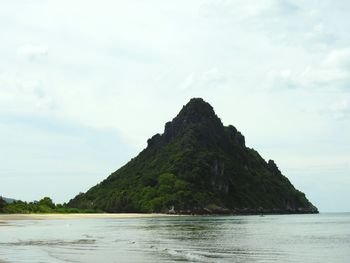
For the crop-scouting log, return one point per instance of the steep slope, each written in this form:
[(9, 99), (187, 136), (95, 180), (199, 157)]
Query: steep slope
[(196, 166)]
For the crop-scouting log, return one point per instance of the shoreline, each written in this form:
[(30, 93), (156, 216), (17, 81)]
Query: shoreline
[(7, 217), (58, 216)]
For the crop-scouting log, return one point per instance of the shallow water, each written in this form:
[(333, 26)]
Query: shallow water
[(272, 238)]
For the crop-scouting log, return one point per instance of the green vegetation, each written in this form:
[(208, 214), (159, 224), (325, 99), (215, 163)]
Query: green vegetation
[(45, 205), (2, 204), (196, 166)]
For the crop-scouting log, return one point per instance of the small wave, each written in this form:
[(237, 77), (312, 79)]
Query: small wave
[(50, 242), (187, 255)]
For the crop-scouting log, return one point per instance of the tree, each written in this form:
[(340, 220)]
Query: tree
[(47, 201), (2, 204)]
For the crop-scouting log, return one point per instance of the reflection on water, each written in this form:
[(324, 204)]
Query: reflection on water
[(288, 238)]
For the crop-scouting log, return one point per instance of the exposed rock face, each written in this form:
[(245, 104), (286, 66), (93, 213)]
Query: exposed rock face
[(197, 166), (273, 167), (236, 136)]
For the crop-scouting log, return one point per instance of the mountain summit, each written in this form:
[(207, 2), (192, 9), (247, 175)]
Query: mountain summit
[(198, 166)]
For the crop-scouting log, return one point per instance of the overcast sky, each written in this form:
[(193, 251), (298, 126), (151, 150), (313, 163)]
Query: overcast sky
[(84, 84)]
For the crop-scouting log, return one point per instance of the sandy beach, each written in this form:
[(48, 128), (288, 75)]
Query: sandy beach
[(6, 217)]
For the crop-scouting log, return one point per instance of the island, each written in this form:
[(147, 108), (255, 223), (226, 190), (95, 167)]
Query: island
[(196, 166)]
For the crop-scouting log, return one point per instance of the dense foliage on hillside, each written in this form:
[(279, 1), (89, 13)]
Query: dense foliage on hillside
[(45, 205), (2, 204), (196, 166)]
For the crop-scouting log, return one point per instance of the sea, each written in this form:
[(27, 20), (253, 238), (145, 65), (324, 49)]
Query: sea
[(323, 237)]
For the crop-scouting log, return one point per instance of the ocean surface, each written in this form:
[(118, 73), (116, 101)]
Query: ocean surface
[(271, 238)]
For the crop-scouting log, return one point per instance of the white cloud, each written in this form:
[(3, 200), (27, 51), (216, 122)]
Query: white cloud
[(329, 73), (340, 109), (188, 82), (246, 9), (338, 58), (332, 72), (33, 52), (209, 79), (222, 8), (22, 95), (281, 79)]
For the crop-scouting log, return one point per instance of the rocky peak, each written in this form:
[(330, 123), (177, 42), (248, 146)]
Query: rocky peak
[(196, 112)]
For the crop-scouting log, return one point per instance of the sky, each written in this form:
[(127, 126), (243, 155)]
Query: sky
[(84, 84)]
